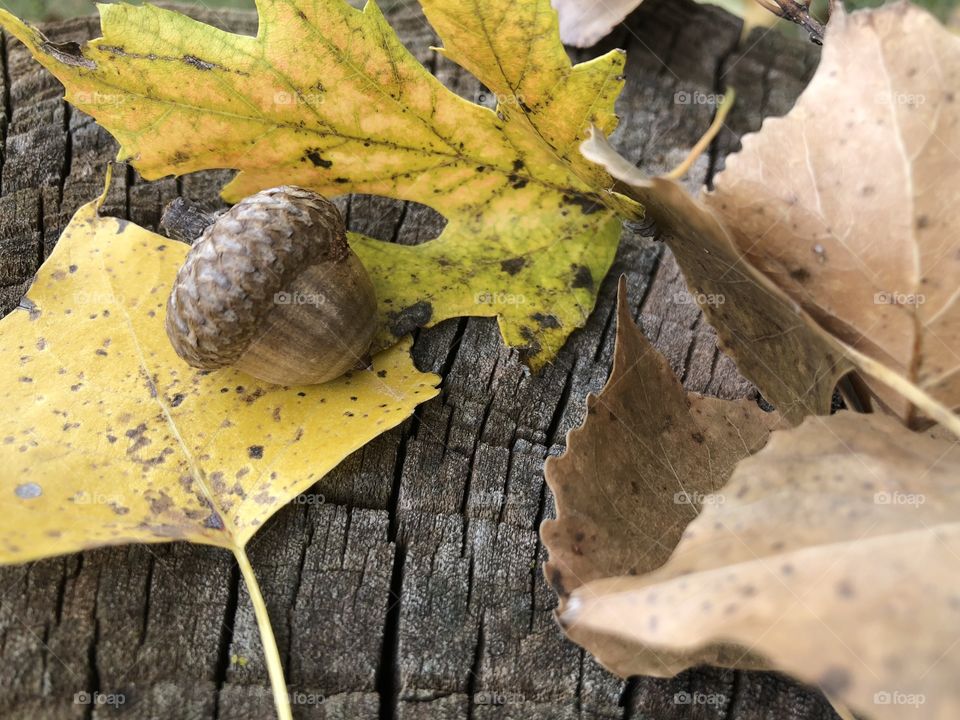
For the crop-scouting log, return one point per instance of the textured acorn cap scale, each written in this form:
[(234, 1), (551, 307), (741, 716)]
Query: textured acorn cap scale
[(273, 289)]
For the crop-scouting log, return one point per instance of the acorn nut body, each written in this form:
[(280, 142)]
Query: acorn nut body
[(272, 288)]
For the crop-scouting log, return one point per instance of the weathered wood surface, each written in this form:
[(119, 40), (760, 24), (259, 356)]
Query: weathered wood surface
[(407, 584)]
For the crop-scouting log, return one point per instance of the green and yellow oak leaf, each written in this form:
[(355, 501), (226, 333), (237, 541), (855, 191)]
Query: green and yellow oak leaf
[(327, 97), (107, 437)]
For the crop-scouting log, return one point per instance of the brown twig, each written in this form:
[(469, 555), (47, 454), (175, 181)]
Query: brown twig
[(796, 11)]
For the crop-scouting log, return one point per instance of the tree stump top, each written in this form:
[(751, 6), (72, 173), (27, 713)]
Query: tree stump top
[(407, 583)]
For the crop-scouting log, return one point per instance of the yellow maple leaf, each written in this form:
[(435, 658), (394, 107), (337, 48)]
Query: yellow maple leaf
[(107, 437), (327, 97)]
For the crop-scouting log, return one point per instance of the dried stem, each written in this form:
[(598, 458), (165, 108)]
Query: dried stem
[(796, 11), (729, 97), (281, 698)]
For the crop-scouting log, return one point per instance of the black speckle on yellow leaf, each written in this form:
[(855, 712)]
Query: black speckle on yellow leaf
[(313, 155), (512, 266), (587, 203), (582, 277), (546, 321)]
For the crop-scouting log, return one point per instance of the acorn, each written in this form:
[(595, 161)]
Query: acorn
[(271, 288)]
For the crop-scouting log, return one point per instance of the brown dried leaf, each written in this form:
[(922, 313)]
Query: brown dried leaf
[(634, 475), (774, 342), (834, 553), (843, 208), (847, 202)]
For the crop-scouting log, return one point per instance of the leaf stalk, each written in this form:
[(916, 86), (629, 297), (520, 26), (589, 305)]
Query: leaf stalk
[(271, 653)]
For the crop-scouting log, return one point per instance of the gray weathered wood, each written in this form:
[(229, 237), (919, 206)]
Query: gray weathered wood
[(407, 583)]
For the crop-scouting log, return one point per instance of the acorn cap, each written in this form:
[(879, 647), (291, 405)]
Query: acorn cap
[(253, 251)]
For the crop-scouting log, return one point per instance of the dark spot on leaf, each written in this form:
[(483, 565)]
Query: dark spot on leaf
[(381, 373), (159, 502), (176, 400), (845, 589), (582, 277), (517, 182), (513, 265), (587, 203), (556, 581), (313, 155), (28, 305), (255, 451), (532, 347), (546, 321), (213, 521), (800, 274)]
